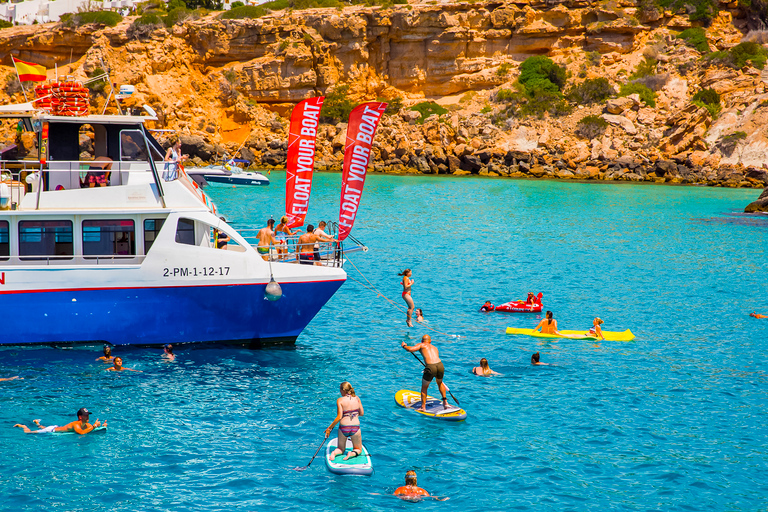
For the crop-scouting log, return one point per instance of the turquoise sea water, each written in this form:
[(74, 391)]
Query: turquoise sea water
[(675, 420)]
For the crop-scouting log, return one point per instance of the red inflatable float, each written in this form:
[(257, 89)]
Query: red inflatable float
[(531, 305)]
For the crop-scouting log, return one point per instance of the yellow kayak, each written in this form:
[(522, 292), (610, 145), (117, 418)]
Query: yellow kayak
[(581, 335)]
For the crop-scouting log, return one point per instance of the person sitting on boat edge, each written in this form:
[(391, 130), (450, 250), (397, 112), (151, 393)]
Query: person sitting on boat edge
[(118, 366), (349, 408), (535, 360), (107, 357), (266, 238), (488, 306), (81, 426), (595, 330), (322, 236), (483, 370), (548, 325), (410, 489), (222, 239)]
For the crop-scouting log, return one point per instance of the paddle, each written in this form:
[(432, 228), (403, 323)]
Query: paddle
[(446, 387), (299, 468)]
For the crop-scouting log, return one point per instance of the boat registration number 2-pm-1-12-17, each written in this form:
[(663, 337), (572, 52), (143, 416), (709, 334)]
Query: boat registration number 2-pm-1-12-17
[(195, 272)]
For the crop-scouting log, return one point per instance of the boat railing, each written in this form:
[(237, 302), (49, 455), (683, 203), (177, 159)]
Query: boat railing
[(69, 260), (329, 254)]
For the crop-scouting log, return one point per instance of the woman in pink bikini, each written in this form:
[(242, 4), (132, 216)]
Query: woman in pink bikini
[(407, 282), (349, 408)]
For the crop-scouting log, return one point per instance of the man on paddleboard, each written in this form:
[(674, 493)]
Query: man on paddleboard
[(433, 370)]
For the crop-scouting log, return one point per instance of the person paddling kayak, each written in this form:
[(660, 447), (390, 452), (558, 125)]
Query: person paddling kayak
[(434, 369)]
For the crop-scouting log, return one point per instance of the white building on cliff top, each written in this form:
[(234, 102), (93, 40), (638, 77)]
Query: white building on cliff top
[(28, 11)]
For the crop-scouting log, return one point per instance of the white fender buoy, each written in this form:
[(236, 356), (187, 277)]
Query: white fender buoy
[(273, 291)]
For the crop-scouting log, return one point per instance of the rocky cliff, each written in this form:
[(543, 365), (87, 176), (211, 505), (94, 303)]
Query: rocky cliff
[(221, 82)]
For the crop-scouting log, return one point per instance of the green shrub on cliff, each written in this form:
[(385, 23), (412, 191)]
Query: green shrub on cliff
[(698, 10), (591, 127), (108, 18), (336, 106), (591, 90), (178, 15), (740, 55), (394, 105), (428, 108), (709, 99), (5, 24), (647, 67), (543, 102), (646, 95), (540, 73), (695, 38), (245, 11)]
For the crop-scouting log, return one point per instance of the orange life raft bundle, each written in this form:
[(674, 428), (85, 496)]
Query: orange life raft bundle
[(67, 98)]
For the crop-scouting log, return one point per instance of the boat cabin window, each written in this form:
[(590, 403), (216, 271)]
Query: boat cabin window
[(133, 146), (45, 238), (109, 238), (185, 232), (5, 243), (151, 228), (220, 239)]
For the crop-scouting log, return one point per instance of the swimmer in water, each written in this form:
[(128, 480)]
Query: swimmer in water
[(757, 315), (488, 306), (11, 378), (419, 315), (410, 490), (548, 325), (81, 426), (118, 366), (595, 330), (168, 352), (535, 360), (483, 370), (107, 357)]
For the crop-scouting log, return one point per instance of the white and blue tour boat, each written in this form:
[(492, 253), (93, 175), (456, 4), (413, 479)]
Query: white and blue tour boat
[(96, 247)]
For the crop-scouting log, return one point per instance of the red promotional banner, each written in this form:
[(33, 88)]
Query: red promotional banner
[(301, 159), (357, 154)]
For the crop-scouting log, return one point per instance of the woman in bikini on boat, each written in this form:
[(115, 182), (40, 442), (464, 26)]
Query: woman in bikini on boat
[(349, 408), (282, 232), (407, 283)]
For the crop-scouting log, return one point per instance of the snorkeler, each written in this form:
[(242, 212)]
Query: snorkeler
[(548, 325), (535, 360), (484, 370), (81, 426)]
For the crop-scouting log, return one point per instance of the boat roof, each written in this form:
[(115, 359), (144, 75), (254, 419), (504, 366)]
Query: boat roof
[(28, 110)]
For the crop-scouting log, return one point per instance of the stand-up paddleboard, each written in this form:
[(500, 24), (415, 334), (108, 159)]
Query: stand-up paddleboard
[(578, 335), (360, 465), (97, 430), (434, 409)]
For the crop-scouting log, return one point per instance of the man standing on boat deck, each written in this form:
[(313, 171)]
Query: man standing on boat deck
[(266, 239), (306, 246), (322, 237), (433, 369)]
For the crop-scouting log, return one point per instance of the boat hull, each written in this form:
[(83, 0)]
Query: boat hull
[(235, 180), (151, 316)]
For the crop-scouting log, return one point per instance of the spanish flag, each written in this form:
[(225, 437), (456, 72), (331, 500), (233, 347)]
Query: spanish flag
[(29, 72)]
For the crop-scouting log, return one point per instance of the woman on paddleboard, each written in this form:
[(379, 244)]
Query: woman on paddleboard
[(595, 330), (407, 282), (548, 325), (484, 370), (349, 408)]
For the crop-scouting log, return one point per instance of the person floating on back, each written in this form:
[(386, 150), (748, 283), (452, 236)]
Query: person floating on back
[(410, 489), (349, 408), (757, 315), (81, 426), (535, 359), (548, 325), (434, 369), (484, 370)]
